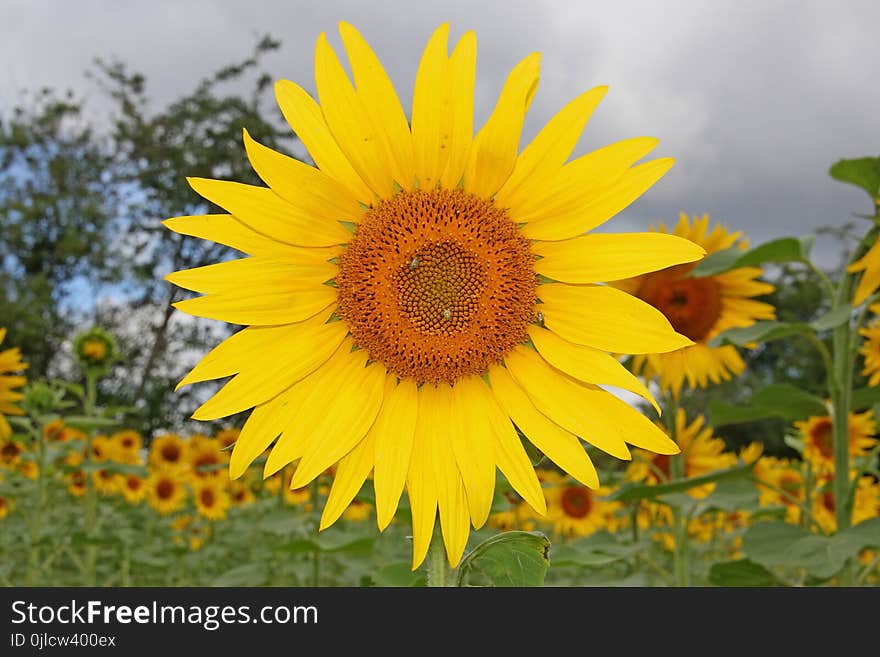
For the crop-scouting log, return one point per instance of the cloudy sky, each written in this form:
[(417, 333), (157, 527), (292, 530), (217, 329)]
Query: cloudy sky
[(754, 99)]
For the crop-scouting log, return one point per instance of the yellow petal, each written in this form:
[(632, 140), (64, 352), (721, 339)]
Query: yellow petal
[(347, 413), (420, 485), (548, 151), (270, 273), (350, 476), (587, 364), (300, 351), (631, 186), (607, 319), (560, 446), (462, 74), (580, 182), (309, 190), (238, 351), (308, 399), (565, 402), (493, 153), (431, 110), (451, 502), (229, 231), (362, 142), (268, 214), (470, 436), (632, 426), (394, 429), (264, 425), (264, 307), (608, 257), (305, 117), (381, 102)]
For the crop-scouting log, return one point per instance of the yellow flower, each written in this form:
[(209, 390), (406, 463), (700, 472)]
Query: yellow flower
[(702, 452), (29, 469), (240, 494), (700, 308), (869, 264), (575, 510), (94, 350), (10, 364), (169, 452), (5, 506), (77, 484), (105, 482), (10, 452), (866, 504), (102, 449), (780, 483), (206, 459), (421, 289), (127, 445), (226, 437), (819, 440), (211, 500), (165, 493), (132, 487), (870, 349)]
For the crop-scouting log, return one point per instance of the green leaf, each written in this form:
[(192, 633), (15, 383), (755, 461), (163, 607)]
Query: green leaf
[(248, 574), (333, 540), (781, 400), (514, 558), (865, 397), (398, 574), (764, 331), (732, 495), (785, 249), (769, 543), (832, 319), (862, 172), (600, 549), (630, 492), (741, 573), (717, 262)]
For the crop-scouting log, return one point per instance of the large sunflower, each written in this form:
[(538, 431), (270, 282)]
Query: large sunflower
[(10, 364), (700, 308), (421, 289)]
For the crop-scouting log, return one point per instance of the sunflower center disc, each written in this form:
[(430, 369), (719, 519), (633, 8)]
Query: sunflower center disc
[(692, 305), (823, 438), (576, 502), (436, 285)]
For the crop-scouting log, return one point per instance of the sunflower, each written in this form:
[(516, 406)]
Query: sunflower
[(212, 501), (226, 437), (127, 444), (420, 289), (575, 510), (870, 349), (29, 469), (206, 459), (866, 504), (77, 484), (702, 453), (168, 452), (780, 483), (10, 452), (105, 482), (5, 506), (240, 494), (132, 487), (817, 433), (101, 448), (357, 511), (165, 493), (10, 363), (700, 308), (869, 265)]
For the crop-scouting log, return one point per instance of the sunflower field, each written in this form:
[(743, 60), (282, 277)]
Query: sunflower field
[(424, 357)]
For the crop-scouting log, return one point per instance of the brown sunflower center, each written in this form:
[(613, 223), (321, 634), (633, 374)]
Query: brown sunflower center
[(203, 464), (662, 462), (165, 489), (576, 502), (437, 285), (206, 496), (134, 483), (821, 437), (170, 453), (692, 305), (10, 451)]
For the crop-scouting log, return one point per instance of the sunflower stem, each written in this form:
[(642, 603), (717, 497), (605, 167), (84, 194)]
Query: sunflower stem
[(36, 527), (681, 568), (439, 573)]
